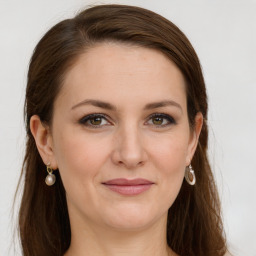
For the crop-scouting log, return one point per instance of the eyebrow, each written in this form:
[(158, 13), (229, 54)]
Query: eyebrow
[(163, 104), (106, 105), (96, 103)]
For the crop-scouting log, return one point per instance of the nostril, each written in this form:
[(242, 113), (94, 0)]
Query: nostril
[(131, 164), (141, 163)]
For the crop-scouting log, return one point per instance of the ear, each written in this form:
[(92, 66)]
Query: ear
[(194, 137), (43, 139)]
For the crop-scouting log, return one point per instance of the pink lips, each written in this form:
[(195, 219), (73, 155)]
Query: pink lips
[(128, 187)]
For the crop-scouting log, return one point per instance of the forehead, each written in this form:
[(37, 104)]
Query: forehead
[(109, 69)]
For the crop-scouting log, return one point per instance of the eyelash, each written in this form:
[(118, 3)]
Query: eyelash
[(84, 121), (170, 119)]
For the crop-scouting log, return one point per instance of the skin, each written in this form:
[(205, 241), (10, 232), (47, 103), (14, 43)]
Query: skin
[(127, 143)]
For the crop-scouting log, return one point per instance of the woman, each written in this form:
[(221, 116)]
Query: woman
[(116, 115)]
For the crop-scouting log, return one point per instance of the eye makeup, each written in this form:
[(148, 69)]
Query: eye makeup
[(99, 120)]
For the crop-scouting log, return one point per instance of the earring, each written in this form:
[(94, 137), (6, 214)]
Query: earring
[(190, 175), (50, 178)]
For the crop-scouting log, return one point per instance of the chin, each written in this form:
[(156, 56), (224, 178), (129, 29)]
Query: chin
[(132, 220)]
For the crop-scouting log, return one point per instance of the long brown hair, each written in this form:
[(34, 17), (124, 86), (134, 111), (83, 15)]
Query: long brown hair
[(194, 225)]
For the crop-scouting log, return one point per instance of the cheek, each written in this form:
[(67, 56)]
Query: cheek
[(171, 162), (169, 157), (78, 156), (170, 153)]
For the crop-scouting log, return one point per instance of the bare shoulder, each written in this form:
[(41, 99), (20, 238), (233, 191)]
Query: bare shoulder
[(228, 254)]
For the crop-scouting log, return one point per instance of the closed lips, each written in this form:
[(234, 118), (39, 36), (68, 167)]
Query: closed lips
[(126, 182), (128, 187)]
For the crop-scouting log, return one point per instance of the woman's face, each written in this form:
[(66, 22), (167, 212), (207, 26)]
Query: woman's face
[(120, 136)]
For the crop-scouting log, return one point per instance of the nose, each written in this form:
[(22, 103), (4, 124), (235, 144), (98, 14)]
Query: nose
[(128, 149)]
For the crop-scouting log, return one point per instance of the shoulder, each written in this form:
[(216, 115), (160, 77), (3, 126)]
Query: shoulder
[(228, 254)]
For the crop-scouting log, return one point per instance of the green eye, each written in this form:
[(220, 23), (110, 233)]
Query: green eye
[(161, 120), (95, 120), (157, 120)]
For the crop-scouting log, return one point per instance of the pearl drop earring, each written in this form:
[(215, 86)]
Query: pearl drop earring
[(50, 178)]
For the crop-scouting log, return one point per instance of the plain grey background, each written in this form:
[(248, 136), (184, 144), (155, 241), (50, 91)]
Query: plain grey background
[(223, 33)]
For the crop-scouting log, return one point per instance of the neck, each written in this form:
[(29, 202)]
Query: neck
[(92, 240)]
